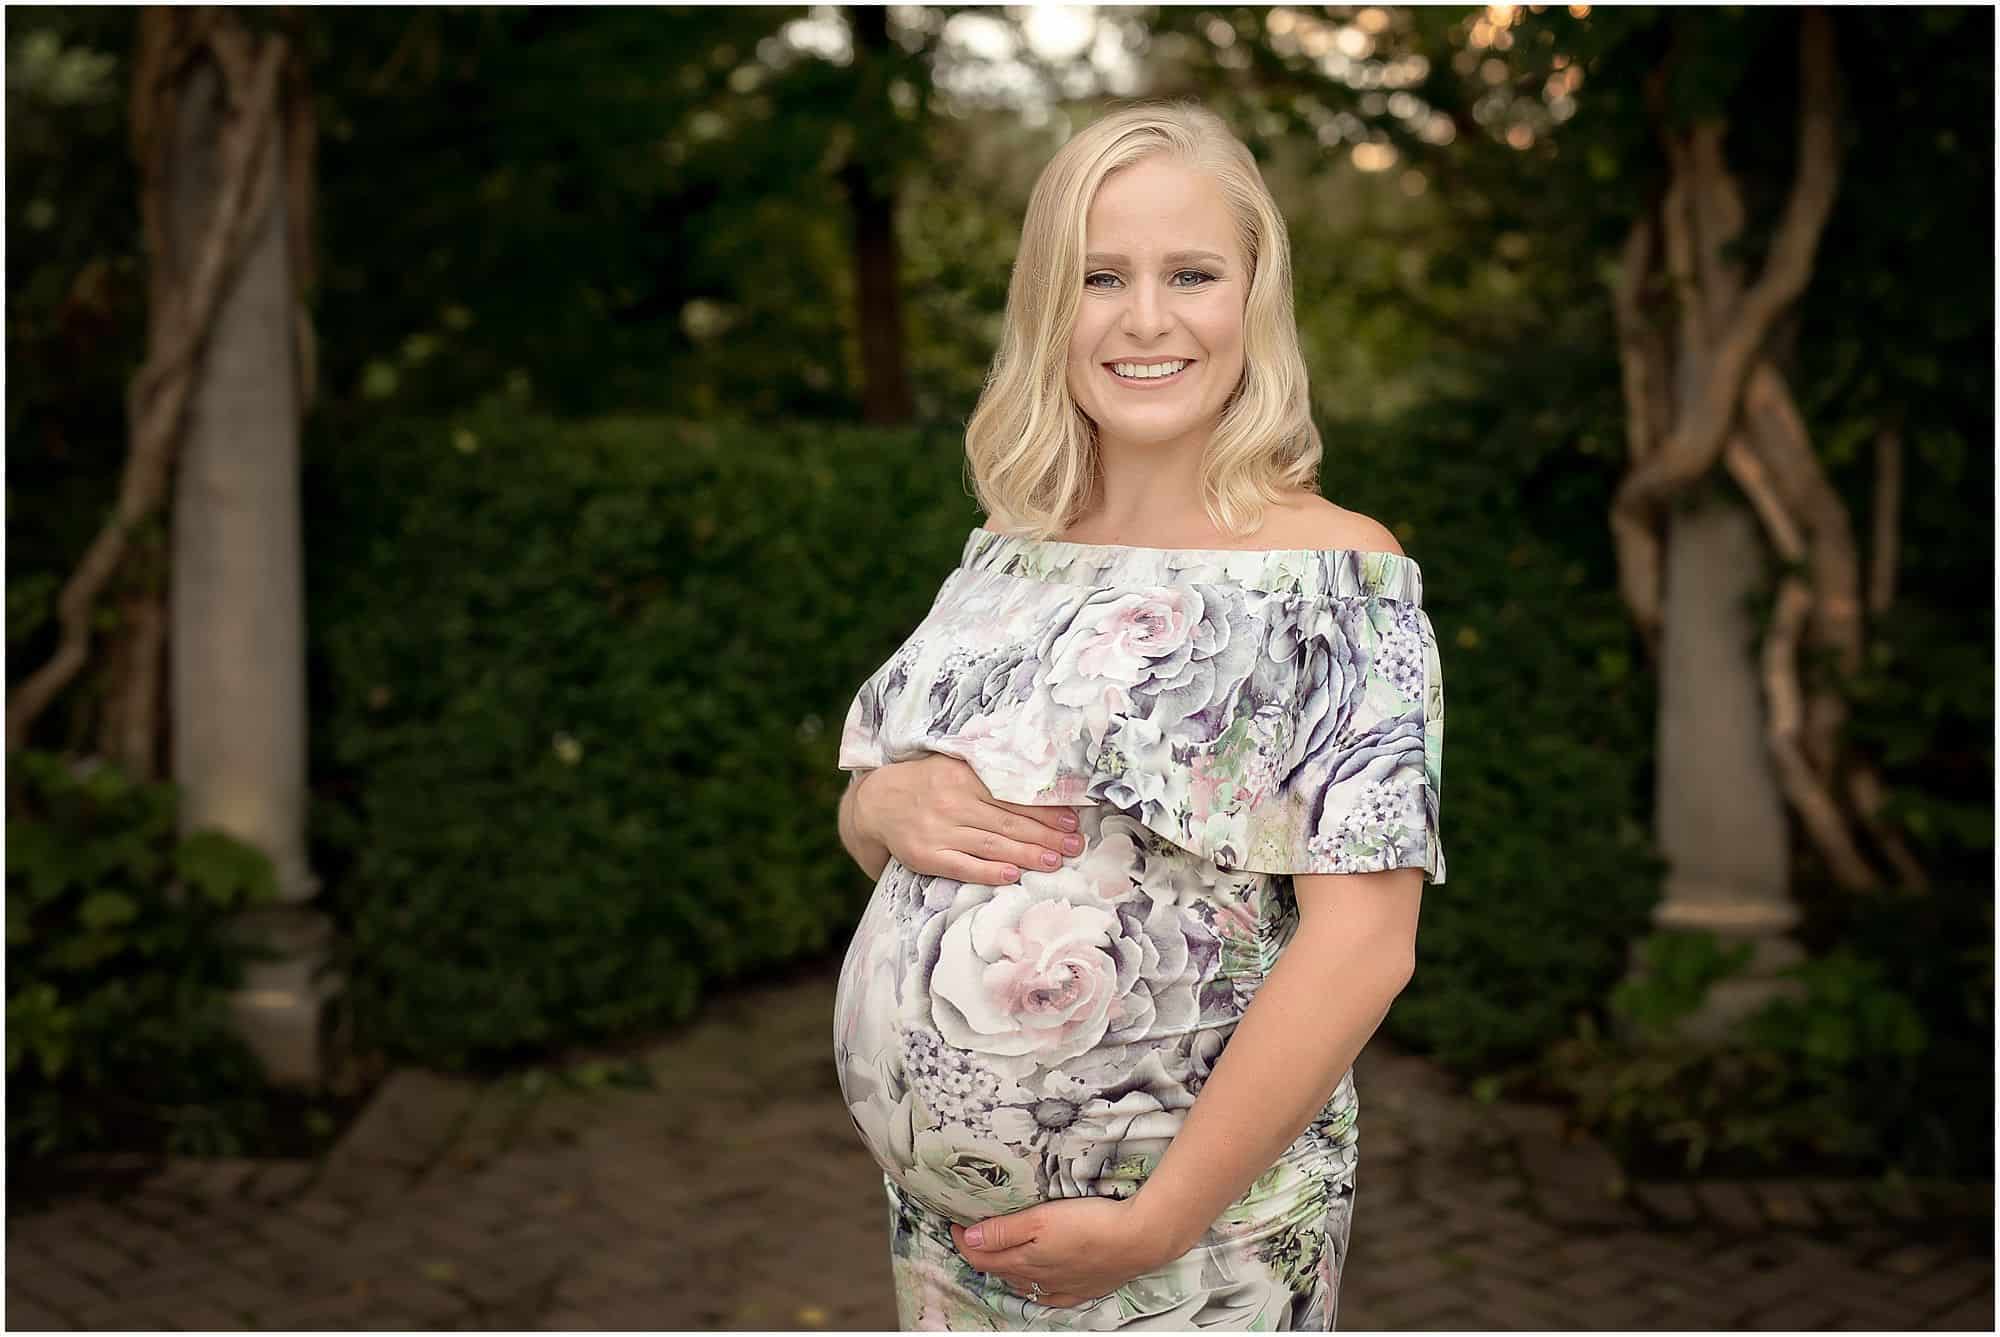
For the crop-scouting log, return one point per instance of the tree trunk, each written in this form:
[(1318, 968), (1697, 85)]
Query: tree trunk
[(885, 383)]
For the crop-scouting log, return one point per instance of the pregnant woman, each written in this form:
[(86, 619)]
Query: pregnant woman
[(1150, 795)]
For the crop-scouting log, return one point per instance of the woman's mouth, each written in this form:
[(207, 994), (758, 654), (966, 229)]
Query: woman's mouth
[(1149, 377)]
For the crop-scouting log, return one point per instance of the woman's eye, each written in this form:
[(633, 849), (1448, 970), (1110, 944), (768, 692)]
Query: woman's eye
[(1198, 273)]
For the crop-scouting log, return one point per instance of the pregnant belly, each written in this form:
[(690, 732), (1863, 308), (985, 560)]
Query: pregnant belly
[(999, 1046)]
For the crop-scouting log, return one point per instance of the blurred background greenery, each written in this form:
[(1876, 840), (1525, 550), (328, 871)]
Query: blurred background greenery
[(619, 481)]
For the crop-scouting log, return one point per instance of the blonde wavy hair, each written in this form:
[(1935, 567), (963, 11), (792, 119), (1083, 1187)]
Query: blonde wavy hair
[(1031, 450)]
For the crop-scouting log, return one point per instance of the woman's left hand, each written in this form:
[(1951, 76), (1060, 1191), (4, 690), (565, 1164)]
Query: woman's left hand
[(1079, 1249)]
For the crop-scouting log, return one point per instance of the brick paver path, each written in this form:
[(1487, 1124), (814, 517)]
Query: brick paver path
[(734, 1195)]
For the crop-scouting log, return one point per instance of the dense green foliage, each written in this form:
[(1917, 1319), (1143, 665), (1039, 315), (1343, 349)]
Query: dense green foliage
[(575, 699), (585, 683), (1546, 731), (117, 962), (1882, 1058)]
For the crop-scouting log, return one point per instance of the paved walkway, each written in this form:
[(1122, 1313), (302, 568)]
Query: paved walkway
[(734, 1195)]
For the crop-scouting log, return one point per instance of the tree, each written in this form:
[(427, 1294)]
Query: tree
[(1714, 393)]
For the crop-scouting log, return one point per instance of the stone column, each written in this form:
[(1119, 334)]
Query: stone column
[(237, 646), (1719, 812)]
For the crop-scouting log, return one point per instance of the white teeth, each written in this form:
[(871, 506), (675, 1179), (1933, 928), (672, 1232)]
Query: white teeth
[(1133, 371)]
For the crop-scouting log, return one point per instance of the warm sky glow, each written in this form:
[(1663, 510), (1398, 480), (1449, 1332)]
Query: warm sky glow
[(1059, 32), (1006, 57)]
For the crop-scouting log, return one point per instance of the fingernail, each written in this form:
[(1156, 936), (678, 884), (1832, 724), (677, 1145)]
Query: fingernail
[(1013, 873), (1069, 821), (1050, 858), (1074, 844), (976, 1237)]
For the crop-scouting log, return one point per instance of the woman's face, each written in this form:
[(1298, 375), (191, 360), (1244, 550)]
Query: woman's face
[(1163, 279)]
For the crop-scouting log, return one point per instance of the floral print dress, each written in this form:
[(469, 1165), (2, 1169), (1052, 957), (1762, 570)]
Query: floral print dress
[(1220, 719)]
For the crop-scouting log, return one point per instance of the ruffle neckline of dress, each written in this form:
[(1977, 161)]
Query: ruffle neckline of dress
[(1302, 572)]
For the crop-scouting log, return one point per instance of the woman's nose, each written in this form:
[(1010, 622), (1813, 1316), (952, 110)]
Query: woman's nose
[(1144, 308)]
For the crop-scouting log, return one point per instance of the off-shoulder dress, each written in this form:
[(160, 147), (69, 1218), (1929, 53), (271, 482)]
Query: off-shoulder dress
[(1220, 719)]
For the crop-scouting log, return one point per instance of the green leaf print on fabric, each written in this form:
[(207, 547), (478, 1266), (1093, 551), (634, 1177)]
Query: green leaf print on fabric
[(1293, 1252)]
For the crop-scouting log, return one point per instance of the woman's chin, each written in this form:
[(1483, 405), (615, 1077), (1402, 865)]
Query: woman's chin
[(1149, 429)]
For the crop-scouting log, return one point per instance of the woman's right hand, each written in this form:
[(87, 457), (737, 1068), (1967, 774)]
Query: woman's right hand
[(936, 816)]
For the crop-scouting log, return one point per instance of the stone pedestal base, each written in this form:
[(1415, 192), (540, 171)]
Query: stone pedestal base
[(281, 1011), (1741, 994)]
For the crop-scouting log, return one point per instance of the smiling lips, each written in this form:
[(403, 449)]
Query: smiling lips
[(1141, 383)]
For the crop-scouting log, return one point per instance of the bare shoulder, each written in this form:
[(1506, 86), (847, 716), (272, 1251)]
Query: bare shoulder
[(1315, 522)]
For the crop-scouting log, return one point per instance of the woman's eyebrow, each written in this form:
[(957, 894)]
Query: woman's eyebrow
[(1172, 258)]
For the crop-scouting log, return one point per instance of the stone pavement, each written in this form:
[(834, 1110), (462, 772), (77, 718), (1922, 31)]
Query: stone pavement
[(734, 1195)]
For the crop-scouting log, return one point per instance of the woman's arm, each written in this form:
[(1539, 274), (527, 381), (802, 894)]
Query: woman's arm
[(869, 852), (1354, 950)]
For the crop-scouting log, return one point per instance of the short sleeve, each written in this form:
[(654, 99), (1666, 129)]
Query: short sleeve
[(861, 732), (864, 745), (1364, 767), (1327, 759)]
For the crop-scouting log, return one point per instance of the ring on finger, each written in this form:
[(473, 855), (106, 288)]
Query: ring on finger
[(1034, 1290)]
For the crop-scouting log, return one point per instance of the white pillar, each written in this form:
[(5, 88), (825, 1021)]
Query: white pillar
[(237, 645), (1719, 811)]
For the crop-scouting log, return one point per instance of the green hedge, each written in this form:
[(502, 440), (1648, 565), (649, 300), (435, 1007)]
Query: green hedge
[(1548, 724), (578, 692), (119, 964), (579, 688)]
